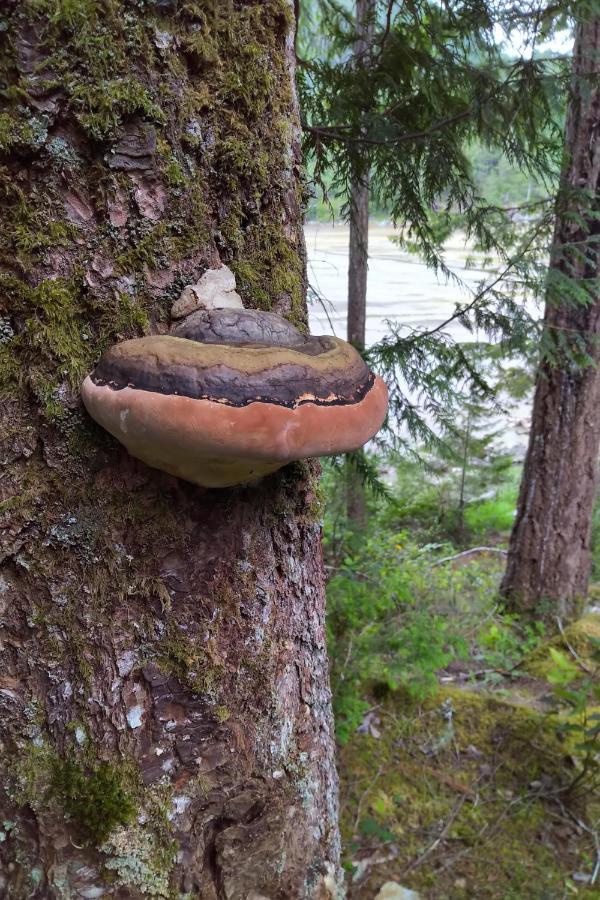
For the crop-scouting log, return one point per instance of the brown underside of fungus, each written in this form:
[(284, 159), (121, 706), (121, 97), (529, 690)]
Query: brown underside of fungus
[(232, 394)]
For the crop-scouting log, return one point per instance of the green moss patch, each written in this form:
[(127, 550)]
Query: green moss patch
[(208, 95), (457, 797), (96, 798), (56, 343), (578, 640)]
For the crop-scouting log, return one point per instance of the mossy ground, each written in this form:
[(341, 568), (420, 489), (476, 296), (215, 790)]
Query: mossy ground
[(576, 639), (466, 795)]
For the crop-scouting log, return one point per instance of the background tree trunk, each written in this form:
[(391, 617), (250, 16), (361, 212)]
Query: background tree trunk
[(164, 696), (358, 259), (549, 555), (358, 263)]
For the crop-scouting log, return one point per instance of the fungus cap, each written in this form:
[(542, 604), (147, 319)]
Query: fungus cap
[(234, 409)]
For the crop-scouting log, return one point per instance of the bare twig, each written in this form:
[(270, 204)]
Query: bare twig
[(370, 785), (580, 662), (446, 559), (443, 833), (594, 835), (347, 659), (488, 829), (386, 32)]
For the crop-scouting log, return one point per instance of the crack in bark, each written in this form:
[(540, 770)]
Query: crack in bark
[(211, 854)]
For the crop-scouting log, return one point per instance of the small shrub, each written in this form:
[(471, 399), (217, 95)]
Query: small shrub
[(494, 515), (576, 689), (505, 641), (395, 620)]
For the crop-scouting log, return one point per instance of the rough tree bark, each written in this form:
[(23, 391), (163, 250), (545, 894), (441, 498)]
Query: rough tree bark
[(358, 257), (358, 262), (164, 700), (549, 554)]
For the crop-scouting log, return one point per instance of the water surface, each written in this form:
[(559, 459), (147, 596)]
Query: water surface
[(400, 288)]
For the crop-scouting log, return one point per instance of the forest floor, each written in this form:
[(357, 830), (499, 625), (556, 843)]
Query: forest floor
[(484, 789)]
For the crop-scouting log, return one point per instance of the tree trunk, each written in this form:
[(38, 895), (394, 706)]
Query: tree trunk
[(549, 555), (356, 501), (164, 695), (358, 261)]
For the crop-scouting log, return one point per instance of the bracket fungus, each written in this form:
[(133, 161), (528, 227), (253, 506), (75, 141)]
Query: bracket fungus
[(233, 394)]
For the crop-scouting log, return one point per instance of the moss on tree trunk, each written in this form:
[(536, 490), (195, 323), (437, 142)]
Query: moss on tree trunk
[(164, 698)]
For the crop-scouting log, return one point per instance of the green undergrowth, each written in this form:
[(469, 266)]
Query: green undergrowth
[(426, 497), (577, 641), (495, 514), (596, 542), (397, 615), (403, 603), (469, 742)]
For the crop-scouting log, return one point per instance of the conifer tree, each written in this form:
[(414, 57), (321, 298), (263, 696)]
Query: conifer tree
[(549, 557)]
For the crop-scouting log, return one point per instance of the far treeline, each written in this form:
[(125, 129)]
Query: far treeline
[(399, 102)]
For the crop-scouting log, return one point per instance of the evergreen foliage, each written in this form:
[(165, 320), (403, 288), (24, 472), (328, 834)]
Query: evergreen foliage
[(434, 80), (433, 101), (436, 90)]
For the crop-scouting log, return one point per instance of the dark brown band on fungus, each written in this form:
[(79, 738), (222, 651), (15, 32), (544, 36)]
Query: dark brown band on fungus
[(289, 383), (289, 386)]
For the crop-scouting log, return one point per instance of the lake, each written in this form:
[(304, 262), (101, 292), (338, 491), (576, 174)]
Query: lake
[(400, 287)]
